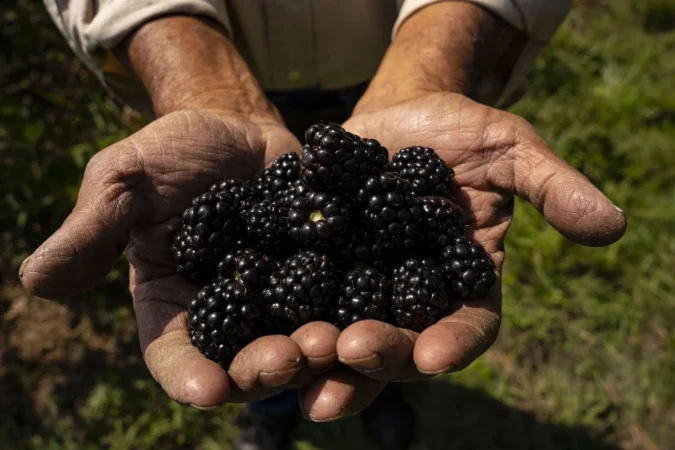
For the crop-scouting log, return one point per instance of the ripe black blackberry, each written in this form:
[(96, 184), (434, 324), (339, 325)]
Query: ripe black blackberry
[(223, 318), (419, 294), (278, 177), (296, 190), (364, 295), (240, 191), (251, 268), (211, 227), (303, 290), (468, 269), (333, 158), (426, 171), (266, 225), (365, 249), (320, 220), (441, 222), (391, 211)]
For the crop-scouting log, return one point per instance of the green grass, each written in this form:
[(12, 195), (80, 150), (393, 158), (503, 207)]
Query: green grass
[(586, 354)]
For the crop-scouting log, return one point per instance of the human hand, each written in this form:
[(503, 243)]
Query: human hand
[(417, 99)]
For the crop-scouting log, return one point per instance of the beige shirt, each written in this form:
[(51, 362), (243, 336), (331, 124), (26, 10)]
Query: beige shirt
[(289, 44)]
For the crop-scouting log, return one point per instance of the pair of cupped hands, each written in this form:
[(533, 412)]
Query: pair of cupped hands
[(134, 192)]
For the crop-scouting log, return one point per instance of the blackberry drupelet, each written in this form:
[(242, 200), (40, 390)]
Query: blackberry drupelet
[(364, 295), (419, 294), (441, 222), (278, 177), (468, 269), (249, 267), (223, 318), (266, 225), (320, 220), (239, 190), (426, 171), (333, 158), (303, 290), (391, 211), (211, 228)]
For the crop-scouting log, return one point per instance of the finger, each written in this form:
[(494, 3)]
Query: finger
[(93, 236), (265, 367), (378, 350), (318, 343), (457, 340), (338, 394), (185, 374), (567, 199)]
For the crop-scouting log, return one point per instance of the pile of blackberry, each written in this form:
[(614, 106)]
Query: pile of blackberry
[(337, 234)]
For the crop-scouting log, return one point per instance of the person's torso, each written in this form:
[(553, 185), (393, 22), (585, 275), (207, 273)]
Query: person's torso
[(301, 44)]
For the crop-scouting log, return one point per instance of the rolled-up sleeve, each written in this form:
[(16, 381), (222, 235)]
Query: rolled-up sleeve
[(94, 27), (538, 19)]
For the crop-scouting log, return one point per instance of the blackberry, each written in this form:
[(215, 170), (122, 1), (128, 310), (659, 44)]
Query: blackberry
[(251, 268), (426, 171), (266, 225), (391, 211), (333, 158), (211, 227), (223, 318), (468, 269), (241, 192), (441, 222), (303, 290), (278, 177), (365, 249), (364, 295), (296, 190), (419, 294), (320, 220)]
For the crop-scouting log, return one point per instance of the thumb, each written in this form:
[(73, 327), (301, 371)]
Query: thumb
[(85, 247), (566, 198)]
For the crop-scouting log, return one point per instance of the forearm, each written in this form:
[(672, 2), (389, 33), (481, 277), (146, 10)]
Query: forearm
[(447, 46), (187, 63)]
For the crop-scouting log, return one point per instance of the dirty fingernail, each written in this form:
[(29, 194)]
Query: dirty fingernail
[(23, 266), (204, 408), (271, 380), (372, 362)]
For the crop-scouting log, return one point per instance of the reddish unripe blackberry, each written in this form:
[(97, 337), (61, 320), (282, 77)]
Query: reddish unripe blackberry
[(468, 269), (224, 318), (365, 294), (211, 227), (391, 211), (441, 222), (333, 158), (419, 294), (303, 290), (320, 220), (426, 171)]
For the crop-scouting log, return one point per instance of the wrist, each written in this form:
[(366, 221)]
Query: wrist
[(189, 63), (447, 46)]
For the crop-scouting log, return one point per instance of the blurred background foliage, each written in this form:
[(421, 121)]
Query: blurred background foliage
[(586, 355)]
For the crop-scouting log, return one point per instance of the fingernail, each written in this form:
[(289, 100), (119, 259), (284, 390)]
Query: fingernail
[(372, 362), (23, 266), (339, 416), (271, 380), (619, 209), (203, 408), (320, 364)]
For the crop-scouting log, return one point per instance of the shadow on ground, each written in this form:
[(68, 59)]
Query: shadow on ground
[(454, 417)]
